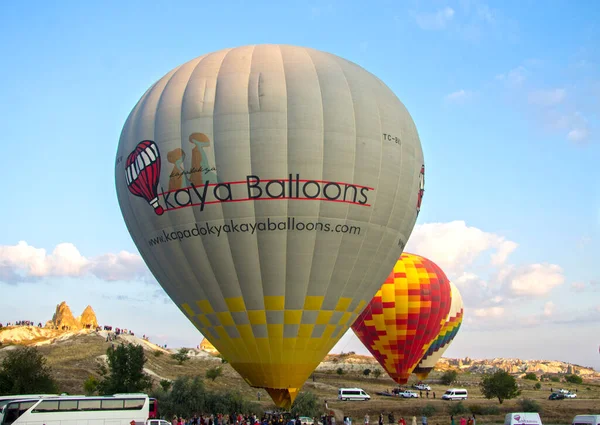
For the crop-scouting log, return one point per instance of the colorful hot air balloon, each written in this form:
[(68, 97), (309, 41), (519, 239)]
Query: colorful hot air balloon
[(405, 316), (444, 338), (290, 182)]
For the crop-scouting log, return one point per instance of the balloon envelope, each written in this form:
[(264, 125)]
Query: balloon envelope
[(444, 338), (269, 189), (405, 315)]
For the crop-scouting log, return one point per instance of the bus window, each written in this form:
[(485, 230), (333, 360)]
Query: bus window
[(89, 405), (134, 404), (67, 405), (112, 404), (153, 411), (46, 406)]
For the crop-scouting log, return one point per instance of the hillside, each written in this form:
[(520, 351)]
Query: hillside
[(75, 355)]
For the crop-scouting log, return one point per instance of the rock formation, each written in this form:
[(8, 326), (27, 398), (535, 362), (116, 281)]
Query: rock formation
[(205, 345), (88, 318), (63, 319)]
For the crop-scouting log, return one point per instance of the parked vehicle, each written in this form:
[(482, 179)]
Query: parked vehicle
[(556, 396), (570, 395), (422, 387), (586, 420), (408, 394), (353, 394), (522, 418), (455, 394)]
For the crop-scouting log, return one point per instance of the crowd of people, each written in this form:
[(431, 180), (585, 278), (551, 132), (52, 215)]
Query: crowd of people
[(413, 421), (238, 419)]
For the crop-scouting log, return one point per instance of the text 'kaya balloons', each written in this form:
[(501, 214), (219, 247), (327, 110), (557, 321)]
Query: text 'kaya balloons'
[(405, 316), (270, 189), (444, 338)]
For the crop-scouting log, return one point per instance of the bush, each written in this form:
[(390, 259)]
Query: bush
[(528, 405), (339, 371), (457, 409), (158, 353), (428, 410), (531, 376), (574, 379), (367, 372), (449, 377), (306, 404), (555, 379), (537, 386)]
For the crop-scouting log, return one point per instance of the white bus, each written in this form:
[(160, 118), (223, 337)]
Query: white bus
[(122, 409)]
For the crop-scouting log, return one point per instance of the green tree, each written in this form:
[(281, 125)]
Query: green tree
[(214, 372), (537, 386), (165, 384), (555, 379), (90, 385), (500, 385), (125, 372), (339, 371), (531, 376), (181, 356), (306, 404), (574, 379), (24, 371), (528, 405), (377, 373), (367, 372), (449, 377)]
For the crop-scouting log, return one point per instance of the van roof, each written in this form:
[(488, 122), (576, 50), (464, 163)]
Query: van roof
[(352, 389), (456, 389)]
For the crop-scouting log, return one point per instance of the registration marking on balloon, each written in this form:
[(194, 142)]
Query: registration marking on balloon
[(142, 172)]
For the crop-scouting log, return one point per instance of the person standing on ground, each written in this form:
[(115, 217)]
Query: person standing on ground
[(452, 420), (423, 420), (367, 419), (413, 421)]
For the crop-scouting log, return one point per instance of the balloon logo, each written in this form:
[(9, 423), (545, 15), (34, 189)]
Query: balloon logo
[(287, 190), (444, 338), (142, 172), (405, 316)]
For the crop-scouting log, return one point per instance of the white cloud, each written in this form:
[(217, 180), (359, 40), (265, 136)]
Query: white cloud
[(458, 96), (578, 135), (454, 246), (435, 21), (489, 312), (533, 279), (549, 308), (24, 262), (514, 77), (547, 97), (578, 286)]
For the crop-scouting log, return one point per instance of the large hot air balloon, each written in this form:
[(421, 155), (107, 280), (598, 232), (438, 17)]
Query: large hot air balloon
[(444, 338), (283, 184), (405, 315)]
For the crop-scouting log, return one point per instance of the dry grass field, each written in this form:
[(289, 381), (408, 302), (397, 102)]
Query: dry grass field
[(74, 359)]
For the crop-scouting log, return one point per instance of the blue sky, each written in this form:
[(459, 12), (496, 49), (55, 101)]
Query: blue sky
[(505, 95)]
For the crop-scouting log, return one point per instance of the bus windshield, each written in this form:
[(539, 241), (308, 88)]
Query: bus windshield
[(13, 410)]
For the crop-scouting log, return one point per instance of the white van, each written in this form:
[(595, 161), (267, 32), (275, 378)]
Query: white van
[(524, 418), (455, 394), (586, 420), (353, 394)]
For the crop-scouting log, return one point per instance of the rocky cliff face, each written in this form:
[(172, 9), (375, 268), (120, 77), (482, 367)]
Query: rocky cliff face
[(63, 319), (516, 366)]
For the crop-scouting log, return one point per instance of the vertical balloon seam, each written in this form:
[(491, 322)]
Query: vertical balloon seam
[(414, 348), (167, 219), (256, 237), (365, 275), (316, 238), (240, 350), (230, 236), (199, 281), (343, 292)]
